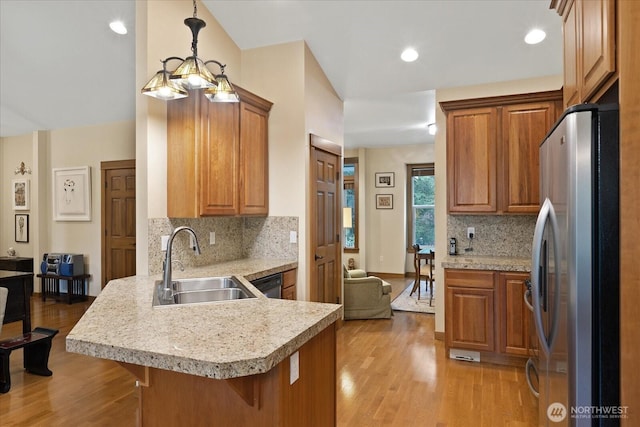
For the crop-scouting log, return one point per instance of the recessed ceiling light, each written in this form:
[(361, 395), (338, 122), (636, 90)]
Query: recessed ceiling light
[(409, 55), (535, 36), (118, 27)]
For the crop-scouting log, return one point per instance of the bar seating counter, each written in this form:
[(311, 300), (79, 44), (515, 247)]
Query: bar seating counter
[(255, 361)]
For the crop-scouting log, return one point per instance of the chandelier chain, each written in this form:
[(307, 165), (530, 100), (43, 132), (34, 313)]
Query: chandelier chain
[(195, 9)]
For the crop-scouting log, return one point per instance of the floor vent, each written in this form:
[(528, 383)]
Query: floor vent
[(465, 355)]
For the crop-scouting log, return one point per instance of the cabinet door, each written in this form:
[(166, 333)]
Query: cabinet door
[(218, 157), (471, 160), (597, 50), (182, 179), (571, 94), (469, 309), (470, 315), (515, 317), (524, 126), (254, 161), (289, 284)]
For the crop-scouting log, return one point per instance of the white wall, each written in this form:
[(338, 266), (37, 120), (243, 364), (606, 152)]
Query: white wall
[(303, 102), (385, 229), (13, 151), (467, 92), (43, 151)]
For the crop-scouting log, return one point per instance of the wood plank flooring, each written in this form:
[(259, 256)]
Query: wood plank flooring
[(390, 373)]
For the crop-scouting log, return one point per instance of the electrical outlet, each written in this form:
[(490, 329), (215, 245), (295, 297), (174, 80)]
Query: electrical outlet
[(471, 232), (164, 241), (293, 236), (212, 237), (381, 258), (294, 367)]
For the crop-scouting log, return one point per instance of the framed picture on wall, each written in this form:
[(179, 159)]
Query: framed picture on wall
[(22, 228), (20, 194), (385, 179), (72, 194), (384, 201)]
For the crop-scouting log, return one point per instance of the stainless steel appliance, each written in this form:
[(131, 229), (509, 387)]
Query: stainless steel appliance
[(575, 271), (270, 286)]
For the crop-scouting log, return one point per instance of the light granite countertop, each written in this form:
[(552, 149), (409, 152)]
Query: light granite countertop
[(216, 340), (500, 263)]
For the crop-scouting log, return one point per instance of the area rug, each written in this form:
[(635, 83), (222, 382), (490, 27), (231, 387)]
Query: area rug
[(406, 302)]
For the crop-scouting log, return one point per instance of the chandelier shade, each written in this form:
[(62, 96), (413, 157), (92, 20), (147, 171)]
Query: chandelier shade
[(162, 87), (224, 90)]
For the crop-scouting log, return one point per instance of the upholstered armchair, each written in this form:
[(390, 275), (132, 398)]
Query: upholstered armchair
[(366, 297)]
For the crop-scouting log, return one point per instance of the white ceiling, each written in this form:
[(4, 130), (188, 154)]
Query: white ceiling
[(357, 43)]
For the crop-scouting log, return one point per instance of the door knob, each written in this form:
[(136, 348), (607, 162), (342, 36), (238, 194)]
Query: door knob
[(317, 257)]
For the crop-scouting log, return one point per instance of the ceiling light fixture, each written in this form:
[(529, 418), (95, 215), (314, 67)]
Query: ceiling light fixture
[(192, 73), (535, 36), (118, 27), (409, 55), (432, 128)]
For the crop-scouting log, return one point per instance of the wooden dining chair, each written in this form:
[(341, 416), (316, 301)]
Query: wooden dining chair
[(428, 278)]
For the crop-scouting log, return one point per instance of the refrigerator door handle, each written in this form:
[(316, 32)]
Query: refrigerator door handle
[(546, 213), (528, 368), (527, 295)]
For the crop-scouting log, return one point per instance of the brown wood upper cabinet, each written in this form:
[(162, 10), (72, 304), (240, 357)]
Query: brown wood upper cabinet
[(492, 151), (589, 29), (217, 156)]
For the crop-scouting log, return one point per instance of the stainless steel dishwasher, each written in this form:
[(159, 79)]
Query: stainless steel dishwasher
[(270, 286)]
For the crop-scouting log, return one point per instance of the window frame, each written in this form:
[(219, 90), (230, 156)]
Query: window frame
[(351, 180), (412, 170)]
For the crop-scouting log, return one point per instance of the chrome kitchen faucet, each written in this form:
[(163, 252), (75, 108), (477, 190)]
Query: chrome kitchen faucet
[(166, 265)]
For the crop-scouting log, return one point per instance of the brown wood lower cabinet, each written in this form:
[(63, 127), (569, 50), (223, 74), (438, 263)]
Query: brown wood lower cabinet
[(469, 320), (485, 312), (514, 315), (289, 284), (170, 398)]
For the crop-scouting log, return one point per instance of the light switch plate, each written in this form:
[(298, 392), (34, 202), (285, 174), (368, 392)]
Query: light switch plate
[(293, 236), (294, 367), (212, 237), (164, 241)]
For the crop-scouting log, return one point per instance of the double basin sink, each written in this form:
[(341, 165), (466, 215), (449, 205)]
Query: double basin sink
[(199, 290)]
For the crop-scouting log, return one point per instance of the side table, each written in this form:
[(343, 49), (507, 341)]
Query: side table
[(76, 287)]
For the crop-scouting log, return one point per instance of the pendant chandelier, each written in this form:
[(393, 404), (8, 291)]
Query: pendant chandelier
[(192, 73)]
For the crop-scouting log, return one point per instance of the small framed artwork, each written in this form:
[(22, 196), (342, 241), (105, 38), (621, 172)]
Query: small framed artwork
[(384, 201), (20, 194), (22, 228), (72, 194), (385, 179)]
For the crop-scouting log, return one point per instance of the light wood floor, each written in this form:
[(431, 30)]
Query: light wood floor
[(390, 373)]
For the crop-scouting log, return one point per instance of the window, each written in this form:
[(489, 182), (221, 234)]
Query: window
[(350, 203), (421, 192)]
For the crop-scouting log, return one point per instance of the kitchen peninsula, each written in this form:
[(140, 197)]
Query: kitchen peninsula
[(255, 361)]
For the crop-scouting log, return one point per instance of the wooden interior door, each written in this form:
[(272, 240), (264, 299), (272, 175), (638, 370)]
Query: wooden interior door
[(118, 219), (326, 160)]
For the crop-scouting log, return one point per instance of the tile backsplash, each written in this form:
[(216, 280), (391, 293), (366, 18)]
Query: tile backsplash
[(496, 235), (235, 238)]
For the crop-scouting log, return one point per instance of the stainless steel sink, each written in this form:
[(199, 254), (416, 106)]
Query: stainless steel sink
[(200, 290), (205, 283), (190, 297)]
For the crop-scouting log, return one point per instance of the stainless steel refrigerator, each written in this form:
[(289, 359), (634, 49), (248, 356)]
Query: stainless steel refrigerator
[(575, 271)]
